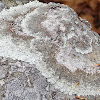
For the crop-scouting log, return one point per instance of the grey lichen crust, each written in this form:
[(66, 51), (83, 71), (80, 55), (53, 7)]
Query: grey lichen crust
[(52, 37)]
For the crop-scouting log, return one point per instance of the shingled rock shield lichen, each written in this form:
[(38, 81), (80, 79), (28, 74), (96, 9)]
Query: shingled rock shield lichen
[(51, 36)]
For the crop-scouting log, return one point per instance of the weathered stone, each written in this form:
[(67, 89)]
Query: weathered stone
[(51, 38), (9, 3), (2, 6)]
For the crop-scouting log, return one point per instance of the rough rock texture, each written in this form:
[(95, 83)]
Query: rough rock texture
[(2, 6), (11, 3), (51, 38)]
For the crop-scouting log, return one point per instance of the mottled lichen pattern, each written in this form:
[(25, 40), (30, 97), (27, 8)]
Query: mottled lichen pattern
[(52, 37)]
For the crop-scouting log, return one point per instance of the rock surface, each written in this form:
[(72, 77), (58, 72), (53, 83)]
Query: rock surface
[(2, 6), (51, 38)]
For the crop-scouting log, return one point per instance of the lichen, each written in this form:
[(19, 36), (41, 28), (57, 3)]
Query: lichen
[(56, 41)]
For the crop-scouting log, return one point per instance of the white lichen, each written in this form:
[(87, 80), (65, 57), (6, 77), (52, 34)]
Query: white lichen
[(53, 38)]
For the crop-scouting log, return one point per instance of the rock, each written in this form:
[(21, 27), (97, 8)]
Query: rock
[(58, 43), (9, 3), (2, 6), (12, 3)]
